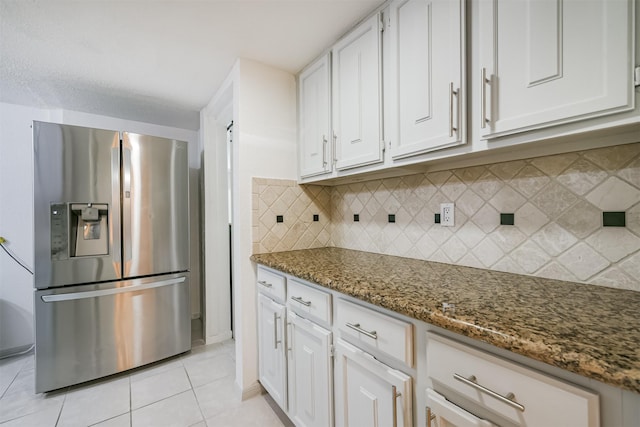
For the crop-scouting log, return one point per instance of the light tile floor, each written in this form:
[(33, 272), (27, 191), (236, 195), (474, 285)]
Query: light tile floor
[(194, 389)]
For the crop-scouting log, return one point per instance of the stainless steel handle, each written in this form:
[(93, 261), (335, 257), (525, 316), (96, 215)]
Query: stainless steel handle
[(324, 150), (356, 327), (126, 201), (471, 381), (335, 148), (483, 101), (265, 284), (114, 215), (452, 92), (126, 170), (301, 301), (394, 396), (275, 330), (99, 293), (430, 417)]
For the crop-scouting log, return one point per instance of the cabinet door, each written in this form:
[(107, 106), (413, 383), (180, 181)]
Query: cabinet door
[(314, 120), (550, 62), (310, 374), (271, 345), (424, 90), (442, 413), (357, 89), (368, 392)]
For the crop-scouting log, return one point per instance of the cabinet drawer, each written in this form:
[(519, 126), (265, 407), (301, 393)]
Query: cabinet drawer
[(521, 395), (309, 302), (272, 284), (386, 334)]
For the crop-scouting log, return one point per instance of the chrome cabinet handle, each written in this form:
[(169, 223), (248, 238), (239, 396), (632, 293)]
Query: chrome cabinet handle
[(430, 416), (275, 330), (483, 102), (356, 327), (265, 284), (471, 381), (301, 301), (335, 148), (452, 92), (324, 151), (394, 396)]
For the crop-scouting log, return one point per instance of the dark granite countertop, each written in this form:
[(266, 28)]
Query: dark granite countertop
[(591, 330)]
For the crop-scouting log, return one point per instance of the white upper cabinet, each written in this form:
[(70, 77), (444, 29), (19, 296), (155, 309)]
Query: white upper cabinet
[(425, 82), (314, 121), (551, 62), (357, 89)]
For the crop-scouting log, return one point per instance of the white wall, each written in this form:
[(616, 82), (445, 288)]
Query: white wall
[(217, 294), (16, 205), (264, 115), (16, 224)]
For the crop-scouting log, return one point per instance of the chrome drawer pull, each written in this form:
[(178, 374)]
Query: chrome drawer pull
[(394, 396), (430, 416), (471, 381), (275, 330), (301, 301), (356, 327), (265, 284)]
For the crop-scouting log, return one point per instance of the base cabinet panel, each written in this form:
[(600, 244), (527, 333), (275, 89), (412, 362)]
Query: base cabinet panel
[(368, 392), (271, 345), (310, 374)]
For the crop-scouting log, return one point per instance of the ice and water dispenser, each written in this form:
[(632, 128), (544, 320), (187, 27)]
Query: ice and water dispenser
[(79, 230)]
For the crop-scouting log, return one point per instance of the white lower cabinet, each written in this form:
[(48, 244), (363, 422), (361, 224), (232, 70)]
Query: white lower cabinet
[(442, 413), (310, 373), (271, 349), (368, 392), (505, 392)]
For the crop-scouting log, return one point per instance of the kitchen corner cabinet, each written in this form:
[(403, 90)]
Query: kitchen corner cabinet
[(310, 373), (368, 392), (357, 94), (425, 91), (271, 347), (545, 63), (314, 120)]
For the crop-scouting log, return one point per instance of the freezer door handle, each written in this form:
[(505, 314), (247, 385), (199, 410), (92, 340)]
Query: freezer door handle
[(92, 294), (126, 201), (115, 206)]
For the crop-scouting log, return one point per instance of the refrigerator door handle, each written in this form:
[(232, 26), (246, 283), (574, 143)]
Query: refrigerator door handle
[(92, 294), (115, 207), (126, 200)]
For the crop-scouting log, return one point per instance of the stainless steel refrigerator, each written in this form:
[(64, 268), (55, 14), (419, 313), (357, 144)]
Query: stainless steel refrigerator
[(111, 240)]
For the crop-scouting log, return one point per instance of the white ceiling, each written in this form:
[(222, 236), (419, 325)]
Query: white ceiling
[(158, 61)]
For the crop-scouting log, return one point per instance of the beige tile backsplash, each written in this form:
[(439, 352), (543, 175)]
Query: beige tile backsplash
[(557, 201)]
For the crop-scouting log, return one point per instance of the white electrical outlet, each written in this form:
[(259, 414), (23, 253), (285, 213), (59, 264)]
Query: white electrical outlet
[(446, 214)]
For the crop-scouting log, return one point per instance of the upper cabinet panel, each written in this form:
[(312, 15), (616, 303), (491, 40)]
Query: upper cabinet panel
[(544, 63), (314, 124), (425, 90), (357, 88)]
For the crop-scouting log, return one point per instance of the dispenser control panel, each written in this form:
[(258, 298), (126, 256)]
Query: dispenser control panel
[(59, 231)]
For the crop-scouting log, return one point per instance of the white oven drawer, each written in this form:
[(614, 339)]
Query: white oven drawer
[(309, 302), (442, 413), (386, 334), (519, 394), (271, 284)]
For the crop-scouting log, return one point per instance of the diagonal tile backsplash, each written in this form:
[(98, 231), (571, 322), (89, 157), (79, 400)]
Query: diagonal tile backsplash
[(557, 202)]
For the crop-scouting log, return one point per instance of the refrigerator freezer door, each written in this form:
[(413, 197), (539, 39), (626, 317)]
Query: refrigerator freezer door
[(76, 205), (87, 332), (155, 205)]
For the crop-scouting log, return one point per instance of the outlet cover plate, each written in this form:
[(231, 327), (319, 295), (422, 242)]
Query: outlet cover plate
[(447, 214)]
